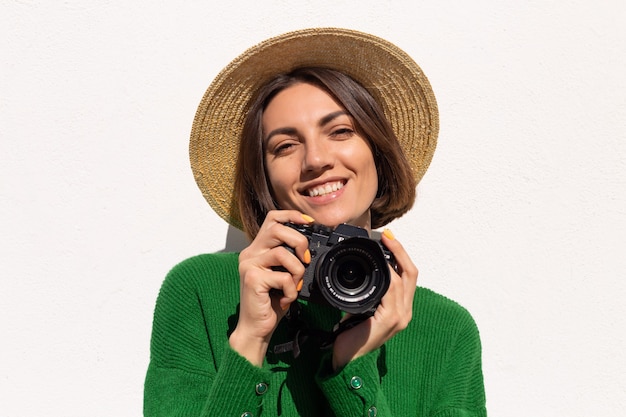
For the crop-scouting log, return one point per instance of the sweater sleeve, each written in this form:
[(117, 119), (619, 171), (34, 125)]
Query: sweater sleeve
[(460, 391), (189, 374), (433, 368), (233, 390), (356, 389)]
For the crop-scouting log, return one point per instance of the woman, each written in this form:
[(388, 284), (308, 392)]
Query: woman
[(315, 113)]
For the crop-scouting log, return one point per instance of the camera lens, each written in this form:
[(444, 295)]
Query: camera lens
[(353, 275)]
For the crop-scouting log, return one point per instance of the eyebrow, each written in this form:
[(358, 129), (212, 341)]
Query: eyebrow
[(330, 117), (292, 131)]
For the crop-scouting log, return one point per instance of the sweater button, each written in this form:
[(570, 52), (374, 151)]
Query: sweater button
[(247, 414), (261, 388), (372, 412), (356, 383)]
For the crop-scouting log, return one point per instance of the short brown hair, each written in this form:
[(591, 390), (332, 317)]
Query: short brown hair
[(396, 184)]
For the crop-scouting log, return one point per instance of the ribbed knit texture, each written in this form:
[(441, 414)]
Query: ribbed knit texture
[(432, 368)]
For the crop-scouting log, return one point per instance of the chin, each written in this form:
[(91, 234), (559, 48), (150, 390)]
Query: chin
[(336, 221)]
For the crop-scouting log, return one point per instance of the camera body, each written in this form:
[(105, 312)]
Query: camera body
[(348, 270)]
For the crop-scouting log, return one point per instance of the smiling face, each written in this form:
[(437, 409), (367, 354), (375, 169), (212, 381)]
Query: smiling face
[(316, 162)]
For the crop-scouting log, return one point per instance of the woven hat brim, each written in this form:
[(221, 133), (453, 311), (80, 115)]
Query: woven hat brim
[(388, 73)]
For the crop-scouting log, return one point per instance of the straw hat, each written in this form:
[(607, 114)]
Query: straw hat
[(394, 80)]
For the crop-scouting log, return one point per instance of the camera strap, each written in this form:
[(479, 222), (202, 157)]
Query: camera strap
[(302, 333)]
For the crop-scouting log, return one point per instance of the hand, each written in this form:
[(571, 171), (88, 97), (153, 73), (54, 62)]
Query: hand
[(261, 309), (392, 315)]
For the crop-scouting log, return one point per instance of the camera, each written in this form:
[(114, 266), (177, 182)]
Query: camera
[(348, 270)]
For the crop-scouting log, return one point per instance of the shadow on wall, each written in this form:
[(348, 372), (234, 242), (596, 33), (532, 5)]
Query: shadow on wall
[(236, 240)]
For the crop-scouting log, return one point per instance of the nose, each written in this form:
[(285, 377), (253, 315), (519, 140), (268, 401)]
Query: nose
[(317, 156)]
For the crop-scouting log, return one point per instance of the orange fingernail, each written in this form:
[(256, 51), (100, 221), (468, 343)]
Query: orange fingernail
[(388, 234), (299, 286), (286, 307), (308, 218), (307, 256)]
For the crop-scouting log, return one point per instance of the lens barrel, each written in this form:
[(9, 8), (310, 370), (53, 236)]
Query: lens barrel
[(353, 275)]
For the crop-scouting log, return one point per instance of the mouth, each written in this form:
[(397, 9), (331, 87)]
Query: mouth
[(323, 189)]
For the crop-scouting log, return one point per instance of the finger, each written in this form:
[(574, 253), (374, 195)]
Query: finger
[(287, 216), (285, 295), (281, 256), (395, 309), (406, 267), (282, 292), (279, 234), (409, 274), (279, 285)]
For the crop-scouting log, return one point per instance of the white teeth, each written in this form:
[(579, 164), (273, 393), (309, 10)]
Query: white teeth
[(325, 189)]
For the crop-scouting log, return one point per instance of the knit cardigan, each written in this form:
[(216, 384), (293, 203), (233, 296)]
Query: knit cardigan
[(432, 368)]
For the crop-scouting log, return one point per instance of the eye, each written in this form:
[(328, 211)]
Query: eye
[(342, 133), (283, 147)]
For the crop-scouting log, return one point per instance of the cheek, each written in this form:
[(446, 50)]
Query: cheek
[(279, 180), (374, 179), (368, 167)]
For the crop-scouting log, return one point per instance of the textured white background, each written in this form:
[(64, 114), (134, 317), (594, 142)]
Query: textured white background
[(521, 217)]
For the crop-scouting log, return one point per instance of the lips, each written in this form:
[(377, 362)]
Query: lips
[(323, 189)]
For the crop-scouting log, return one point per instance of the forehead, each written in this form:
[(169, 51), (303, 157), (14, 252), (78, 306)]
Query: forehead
[(299, 102)]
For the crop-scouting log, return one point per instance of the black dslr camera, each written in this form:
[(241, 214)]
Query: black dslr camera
[(348, 270)]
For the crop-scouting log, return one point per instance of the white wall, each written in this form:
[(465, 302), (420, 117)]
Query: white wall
[(521, 217)]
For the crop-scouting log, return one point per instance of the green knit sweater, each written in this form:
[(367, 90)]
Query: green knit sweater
[(432, 368)]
